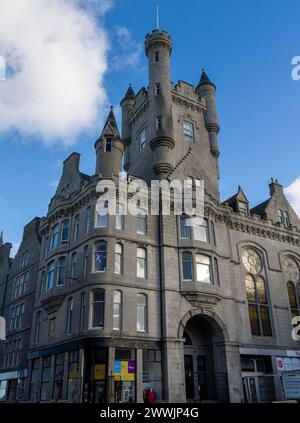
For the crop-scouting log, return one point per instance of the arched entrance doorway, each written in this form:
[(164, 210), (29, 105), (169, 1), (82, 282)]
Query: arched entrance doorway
[(205, 360)]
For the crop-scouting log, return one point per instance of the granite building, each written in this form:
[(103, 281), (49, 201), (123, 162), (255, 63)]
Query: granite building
[(113, 308)]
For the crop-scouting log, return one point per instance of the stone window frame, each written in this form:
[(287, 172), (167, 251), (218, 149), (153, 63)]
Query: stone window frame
[(214, 267), (294, 283)]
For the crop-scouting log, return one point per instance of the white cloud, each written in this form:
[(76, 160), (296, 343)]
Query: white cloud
[(129, 49), (56, 54), (292, 193)]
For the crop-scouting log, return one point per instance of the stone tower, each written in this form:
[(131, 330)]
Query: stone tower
[(109, 149)]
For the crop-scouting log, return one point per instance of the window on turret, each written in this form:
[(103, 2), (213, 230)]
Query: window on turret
[(188, 131), (108, 145), (157, 89), (156, 56), (142, 139), (159, 123)]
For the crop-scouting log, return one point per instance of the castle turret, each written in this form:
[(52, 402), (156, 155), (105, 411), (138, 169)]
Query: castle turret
[(109, 149), (208, 90), (126, 105), (158, 47)]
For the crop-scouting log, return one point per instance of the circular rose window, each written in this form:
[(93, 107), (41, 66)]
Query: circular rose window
[(251, 261)]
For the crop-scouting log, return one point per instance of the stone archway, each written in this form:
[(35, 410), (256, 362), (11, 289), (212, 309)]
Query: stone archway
[(204, 357)]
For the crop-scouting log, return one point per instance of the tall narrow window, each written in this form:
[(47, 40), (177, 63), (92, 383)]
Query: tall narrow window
[(76, 227), (37, 327), (258, 306), (216, 272), (156, 56), (141, 264), (46, 247), (108, 145), (141, 313), (42, 284), (45, 383), (142, 139), (201, 231), (188, 131), (74, 266), (61, 271), (243, 207), (293, 299), (65, 231), (58, 376), (159, 124), (141, 223), (82, 312), (100, 256), (118, 258), (98, 300), (70, 316), (185, 228), (187, 266), (212, 233), (102, 215), (88, 219), (117, 310), (120, 217), (286, 219), (54, 236), (85, 260), (203, 268), (50, 275), (157, 89)]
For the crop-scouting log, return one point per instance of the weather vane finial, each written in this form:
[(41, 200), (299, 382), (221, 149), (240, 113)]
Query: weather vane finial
[(157, 15)]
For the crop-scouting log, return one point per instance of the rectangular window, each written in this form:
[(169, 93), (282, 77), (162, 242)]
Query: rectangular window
[(102, 215), (118, 259), (88, 219), (45, 384), (216, 272), (74, 266), (24, 259), (203, 268), (52, 326), (70, 316), (61, 271), (58, 377), (42, 284), (157, 89), (73, 376), (100, 256), (187, 266), (108, 145), (50, 277), (54, 237), (141, 224), (82, 312), (117, 310), (142, 139), (159, 124), (201, 232), (85, 260), (120, 217), (188, 131), (98, 309), (185, 228), (46, 247), (65, 231), (76, 227), (141, 313), (156, 56), (286, 219), (34, 381), (243, 208), (141, 263)]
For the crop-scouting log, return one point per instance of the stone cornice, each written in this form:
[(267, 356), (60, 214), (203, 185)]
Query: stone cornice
[(200, 108)]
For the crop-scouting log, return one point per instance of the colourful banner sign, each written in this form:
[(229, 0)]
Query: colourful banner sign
[(125, 370), (99, 372)]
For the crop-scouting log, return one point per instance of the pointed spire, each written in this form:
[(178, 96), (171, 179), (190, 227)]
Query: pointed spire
[(110, 126), (130, 92), (1, 239), (204, 79)]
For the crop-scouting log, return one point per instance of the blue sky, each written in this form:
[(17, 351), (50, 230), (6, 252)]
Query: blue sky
[(246, 47)]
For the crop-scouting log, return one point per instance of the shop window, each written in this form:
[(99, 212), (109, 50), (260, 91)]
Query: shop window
[(45, 383), (58, 377), (73, 376)]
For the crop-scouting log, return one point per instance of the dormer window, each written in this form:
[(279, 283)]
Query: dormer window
[(243, 208), (108, 145), (284, 217)]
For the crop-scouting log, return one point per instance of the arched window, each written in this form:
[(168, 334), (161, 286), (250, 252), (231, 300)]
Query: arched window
[(118, 259), (187, 266), (141, 263), (258, 306), (100, 256), (102, 214), (257, 296), (97, 312), (293, 300), (141, 313), (117, 310)]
